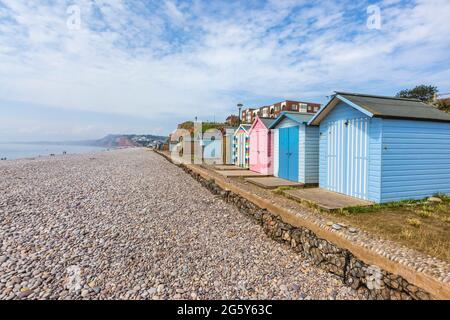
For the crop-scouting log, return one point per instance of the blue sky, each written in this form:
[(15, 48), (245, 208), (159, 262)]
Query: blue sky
[(143, 66)]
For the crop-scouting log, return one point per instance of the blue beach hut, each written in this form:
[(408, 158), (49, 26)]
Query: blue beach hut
[(383, 149), (296, 148)]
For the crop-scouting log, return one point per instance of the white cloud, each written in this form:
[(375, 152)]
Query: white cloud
[(173, 12), (147, 59)]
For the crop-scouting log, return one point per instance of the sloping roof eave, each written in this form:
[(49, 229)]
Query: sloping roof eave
[(313, 121), (244, 127), (411, 118), (260, 119), (418, 110), (285, 115)]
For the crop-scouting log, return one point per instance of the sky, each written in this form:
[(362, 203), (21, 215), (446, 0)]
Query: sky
[(82, 69)]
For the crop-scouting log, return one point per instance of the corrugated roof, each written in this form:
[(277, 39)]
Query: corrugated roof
[(267, 121), (392, 107), (295, 116)]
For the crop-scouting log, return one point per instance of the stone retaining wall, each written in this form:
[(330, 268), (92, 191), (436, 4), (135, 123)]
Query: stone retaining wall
[(370, 281)]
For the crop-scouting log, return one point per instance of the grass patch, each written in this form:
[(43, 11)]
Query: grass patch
[(378, 207), (424, 213), (416, 224), (406, 234)]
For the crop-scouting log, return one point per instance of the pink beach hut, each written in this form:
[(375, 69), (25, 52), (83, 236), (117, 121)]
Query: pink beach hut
[(261, 146)]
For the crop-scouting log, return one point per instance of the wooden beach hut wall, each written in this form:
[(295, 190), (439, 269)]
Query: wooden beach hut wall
[(241, 148), (212, 150), (296, 148), (261, 146), (383, 149), (228, 138)]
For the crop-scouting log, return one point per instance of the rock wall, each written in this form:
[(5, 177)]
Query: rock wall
[(370, 281)]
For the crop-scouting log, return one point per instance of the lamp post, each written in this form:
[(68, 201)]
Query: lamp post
[(240, 105)]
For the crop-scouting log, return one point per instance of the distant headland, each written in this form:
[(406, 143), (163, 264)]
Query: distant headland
[(110, 141)]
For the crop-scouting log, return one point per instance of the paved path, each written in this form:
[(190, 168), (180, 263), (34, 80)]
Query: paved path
[(128, 224)]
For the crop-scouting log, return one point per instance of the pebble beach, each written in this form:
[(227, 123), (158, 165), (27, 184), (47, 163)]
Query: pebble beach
[(127, 224)]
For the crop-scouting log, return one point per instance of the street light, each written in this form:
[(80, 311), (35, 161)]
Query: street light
[(240, 105)]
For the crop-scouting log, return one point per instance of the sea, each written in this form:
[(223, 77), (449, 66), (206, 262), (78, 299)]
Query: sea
[(12, 151)]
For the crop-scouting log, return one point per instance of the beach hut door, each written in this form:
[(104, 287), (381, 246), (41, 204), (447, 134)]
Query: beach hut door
[(347, 157), (242, 150), (288, 144), (262, 149)]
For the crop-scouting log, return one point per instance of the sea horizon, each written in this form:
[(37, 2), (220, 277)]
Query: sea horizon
[(22, 150)]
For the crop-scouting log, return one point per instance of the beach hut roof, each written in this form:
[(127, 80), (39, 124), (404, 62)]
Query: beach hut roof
[(265, 121), (383, 107), (299, 117), (245, 127), (229, 129)]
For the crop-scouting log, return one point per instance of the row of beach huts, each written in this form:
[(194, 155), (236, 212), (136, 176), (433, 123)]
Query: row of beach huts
[(376, 148)]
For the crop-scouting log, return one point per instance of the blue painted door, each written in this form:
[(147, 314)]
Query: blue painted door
[(293, 153), (288, 157), (283, 171)]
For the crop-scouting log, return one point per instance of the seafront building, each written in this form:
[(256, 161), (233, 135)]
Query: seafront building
[(272, 111)]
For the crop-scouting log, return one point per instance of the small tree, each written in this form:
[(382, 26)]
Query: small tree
[(423, 92)]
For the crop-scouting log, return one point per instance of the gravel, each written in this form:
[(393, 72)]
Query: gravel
[(127, 224)]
